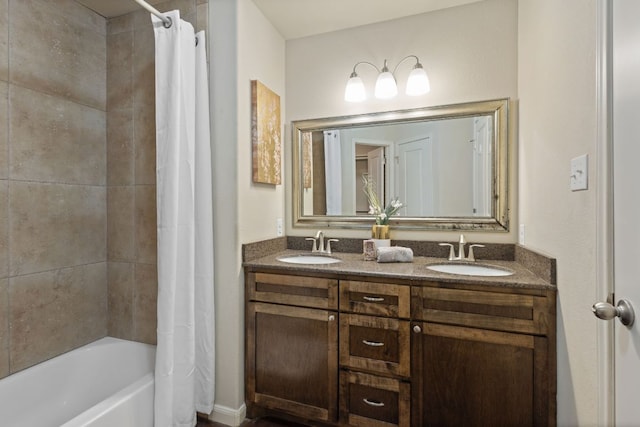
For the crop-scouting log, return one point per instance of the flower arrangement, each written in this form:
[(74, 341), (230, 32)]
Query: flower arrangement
[(375, 208)]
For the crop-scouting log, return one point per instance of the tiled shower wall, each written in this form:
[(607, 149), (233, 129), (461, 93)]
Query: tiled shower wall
[(77, 179), (131, 190), (53, 195)]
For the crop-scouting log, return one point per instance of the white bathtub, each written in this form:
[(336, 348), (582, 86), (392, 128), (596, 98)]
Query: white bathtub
[(106, 383)]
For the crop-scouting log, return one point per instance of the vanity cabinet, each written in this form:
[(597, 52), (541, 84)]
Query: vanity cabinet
[(292, 346), (483, 356), (366, 351)]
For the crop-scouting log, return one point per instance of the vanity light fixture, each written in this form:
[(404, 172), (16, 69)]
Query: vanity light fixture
[(386, 86)]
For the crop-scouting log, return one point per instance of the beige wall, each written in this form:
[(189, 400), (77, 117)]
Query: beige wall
[(245, 47), (557, 92), (52, 180), (469, 53)]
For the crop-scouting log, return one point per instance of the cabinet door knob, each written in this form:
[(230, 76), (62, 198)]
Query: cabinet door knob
[(332, 318), (417, 329)]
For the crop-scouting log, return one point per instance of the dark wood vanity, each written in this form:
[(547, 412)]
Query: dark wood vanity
[(366, 344)]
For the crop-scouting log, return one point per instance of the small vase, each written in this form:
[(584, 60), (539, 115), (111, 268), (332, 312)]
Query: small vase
[(380, 232)]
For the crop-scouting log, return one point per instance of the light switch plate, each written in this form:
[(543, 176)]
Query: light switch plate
[(579, 173)]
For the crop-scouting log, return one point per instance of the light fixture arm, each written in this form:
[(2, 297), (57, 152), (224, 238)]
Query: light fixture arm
[(418, 64), (353, 73)]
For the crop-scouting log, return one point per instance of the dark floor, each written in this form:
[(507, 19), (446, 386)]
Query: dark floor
[(262, 422)]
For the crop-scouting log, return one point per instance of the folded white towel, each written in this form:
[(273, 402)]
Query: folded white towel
[(395, 254)]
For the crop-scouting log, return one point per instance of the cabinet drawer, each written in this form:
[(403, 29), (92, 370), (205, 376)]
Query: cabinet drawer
[(375, 344), (301, 291), (489, 310), (371, 401), (378, 299)]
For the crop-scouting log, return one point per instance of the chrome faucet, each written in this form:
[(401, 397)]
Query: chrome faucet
[(461, 256), (319, 243)]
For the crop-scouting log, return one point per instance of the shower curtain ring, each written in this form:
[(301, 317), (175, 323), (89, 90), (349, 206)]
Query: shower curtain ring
[(167, 22)]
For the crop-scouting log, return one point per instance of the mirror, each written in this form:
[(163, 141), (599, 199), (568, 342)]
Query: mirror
[(446, 164)]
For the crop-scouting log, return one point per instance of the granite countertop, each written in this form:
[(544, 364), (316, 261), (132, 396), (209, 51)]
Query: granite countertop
[(354, 264)]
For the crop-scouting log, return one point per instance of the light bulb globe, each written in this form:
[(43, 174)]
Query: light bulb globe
[(386, 86), (354, 91), (418, 82)]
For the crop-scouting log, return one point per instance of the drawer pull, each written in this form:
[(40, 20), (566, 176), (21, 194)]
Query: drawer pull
[(372, 299), (373, 403), (373, 343)]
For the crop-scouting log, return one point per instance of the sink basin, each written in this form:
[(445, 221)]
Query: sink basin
[(309, 259), (470, 270)]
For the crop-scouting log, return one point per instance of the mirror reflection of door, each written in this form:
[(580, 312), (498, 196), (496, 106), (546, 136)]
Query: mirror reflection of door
[(414, 175), (481, 166)]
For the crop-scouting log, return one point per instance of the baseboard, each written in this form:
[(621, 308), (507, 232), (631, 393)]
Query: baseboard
[(228, 416)]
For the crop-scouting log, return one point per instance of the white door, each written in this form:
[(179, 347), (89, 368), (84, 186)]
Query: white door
[(414, 176), (626, 148), (482, 166), (626, 206)]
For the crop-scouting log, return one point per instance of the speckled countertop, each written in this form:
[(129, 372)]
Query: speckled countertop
[(354, 264)]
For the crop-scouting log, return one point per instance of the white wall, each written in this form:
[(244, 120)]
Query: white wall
[(244, 46), (557, 93), (469, 53)]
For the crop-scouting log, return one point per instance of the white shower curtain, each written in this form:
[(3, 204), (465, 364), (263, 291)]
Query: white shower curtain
[(184, 375), (333, 171)]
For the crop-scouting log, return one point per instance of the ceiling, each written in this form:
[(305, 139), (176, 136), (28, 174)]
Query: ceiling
[(301, 18)]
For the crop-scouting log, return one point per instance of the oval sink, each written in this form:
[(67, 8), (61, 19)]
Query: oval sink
[(470, 270), (309, 259)]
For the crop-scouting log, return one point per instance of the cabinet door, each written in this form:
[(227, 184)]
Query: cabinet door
[(292, 361), (476, 377)]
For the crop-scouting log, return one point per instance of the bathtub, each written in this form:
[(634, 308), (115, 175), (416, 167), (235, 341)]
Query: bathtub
[(106, 383)]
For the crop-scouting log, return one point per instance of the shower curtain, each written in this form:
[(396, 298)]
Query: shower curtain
[(184, 374), (333, 171)]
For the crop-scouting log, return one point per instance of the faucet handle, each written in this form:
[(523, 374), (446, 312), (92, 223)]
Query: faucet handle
[(471, 256), (452, 254), (328, 249), (314, 248)]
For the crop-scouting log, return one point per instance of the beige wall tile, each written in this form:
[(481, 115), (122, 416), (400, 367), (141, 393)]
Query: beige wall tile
[(121, 277), (145, 303), (4, 328), (4, 130), (55, 226), (144, 68), (120, 24), (145, 145), (4, 228), (55, 140), (121, 224), (56, 311), (146, 232), (72, 64), (119, 71), (120, 148), (202, 19), (4, 40)]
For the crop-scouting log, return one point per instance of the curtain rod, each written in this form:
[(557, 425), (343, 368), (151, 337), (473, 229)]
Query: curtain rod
[(165, 19)]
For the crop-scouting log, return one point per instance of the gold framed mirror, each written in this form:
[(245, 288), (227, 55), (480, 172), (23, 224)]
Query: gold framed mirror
[(446, 164)]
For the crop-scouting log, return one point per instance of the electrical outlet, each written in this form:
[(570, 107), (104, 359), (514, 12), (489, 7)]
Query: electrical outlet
[(521, 234), (279, 227)]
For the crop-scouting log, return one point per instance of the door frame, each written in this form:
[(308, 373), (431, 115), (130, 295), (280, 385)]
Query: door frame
[(604, 211)]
